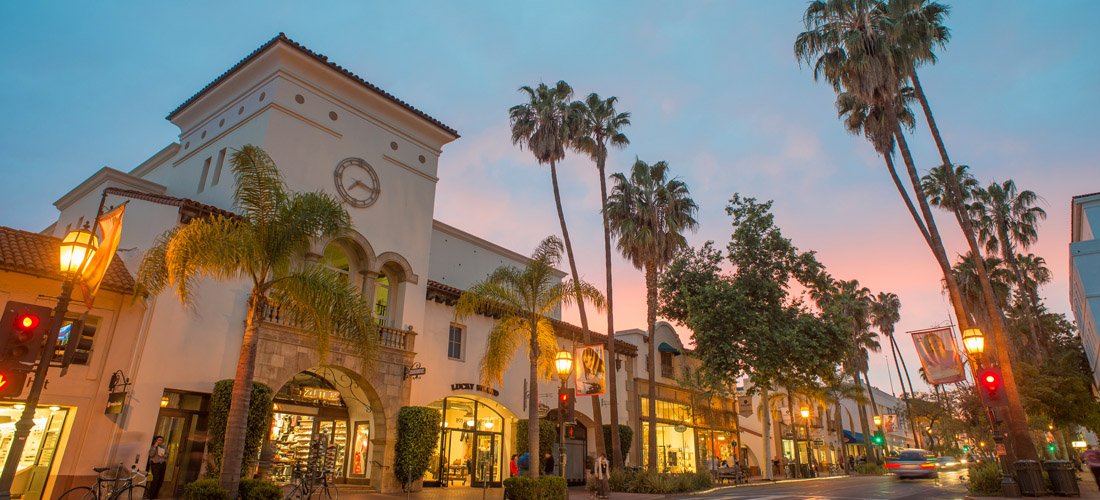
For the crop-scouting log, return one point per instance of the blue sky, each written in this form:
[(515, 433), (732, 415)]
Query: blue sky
[(712, 86)]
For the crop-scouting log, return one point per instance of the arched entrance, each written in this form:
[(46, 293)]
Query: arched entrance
[(472, 447), (322, 417)]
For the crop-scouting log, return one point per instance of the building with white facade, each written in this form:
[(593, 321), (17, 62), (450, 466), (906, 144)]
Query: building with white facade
[(1084, 274)]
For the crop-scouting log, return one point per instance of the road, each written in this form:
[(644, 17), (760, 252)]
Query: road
[(947, 486)]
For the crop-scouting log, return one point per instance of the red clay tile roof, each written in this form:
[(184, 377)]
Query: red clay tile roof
[(446, 294), (323, 59), (163, 199), (37, 255)]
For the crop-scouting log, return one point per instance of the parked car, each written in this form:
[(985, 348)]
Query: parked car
[(912, 463), (950, 463)]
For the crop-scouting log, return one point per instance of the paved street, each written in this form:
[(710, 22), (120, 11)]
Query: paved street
[(845, 488)]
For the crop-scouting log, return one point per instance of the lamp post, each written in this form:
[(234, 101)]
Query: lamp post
[(77, 249), (974, 342), (563, 362), (805, 412)]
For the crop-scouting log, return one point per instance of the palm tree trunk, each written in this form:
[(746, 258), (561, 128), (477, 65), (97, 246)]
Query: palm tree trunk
[(794, 435), (874, 408), (905, 197), (236, 425), (863, 422), (597, 412), (1020, 438), (908, 409), (840, 435), (769, 472), (651, 321), (535, 462), (612, 358)]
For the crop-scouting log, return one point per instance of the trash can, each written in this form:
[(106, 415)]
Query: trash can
[(1063, 479), (1030, 478)]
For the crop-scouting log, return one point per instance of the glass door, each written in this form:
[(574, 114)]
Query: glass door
[(337, 433), (175, 430), (487, 460)]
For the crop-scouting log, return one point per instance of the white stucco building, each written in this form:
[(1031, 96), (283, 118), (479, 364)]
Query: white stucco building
[(1084, 274)]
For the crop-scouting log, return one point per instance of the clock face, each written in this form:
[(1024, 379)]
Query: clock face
[(357, 182)]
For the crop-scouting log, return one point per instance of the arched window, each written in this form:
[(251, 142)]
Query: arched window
[(383, 311), (336, 259)]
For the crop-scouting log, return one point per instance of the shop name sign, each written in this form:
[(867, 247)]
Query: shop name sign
[(475, 387), (321, 394)]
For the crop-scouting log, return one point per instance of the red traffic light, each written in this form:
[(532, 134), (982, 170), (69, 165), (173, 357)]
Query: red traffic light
[(991, 380), (992, 387), (27, 321)]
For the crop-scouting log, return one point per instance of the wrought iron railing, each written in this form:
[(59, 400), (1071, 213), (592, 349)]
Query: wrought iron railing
[(388, 336)]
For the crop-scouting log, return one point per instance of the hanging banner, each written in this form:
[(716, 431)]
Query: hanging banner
[(110, 227), (938, 355), (889, 422), (591, 372)]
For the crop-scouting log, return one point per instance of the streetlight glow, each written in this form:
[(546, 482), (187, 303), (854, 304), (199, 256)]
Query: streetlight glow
[(563, 362), (77, 250), (878, 420), (974, 341), (805, 412)]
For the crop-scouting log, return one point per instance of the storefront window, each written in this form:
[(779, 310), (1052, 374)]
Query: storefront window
[(43, 446), (675, 447), (310, 425), (471, 445)]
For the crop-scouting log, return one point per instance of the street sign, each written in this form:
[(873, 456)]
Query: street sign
[(415, 371), (819, 442)]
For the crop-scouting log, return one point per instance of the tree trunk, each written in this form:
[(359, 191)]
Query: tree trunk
[(769, 472), (908, 408), (840, 435), (612, 370), (863, 422), (874, 408), (1022, 446), (794, 435), (651, 322), (889, 158), (535, 463), (236, 425), (597, 412)]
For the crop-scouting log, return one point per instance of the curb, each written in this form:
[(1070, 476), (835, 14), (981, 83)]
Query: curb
[(766, 483)]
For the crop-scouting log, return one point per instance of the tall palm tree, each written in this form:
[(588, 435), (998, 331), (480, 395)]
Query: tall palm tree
[(263, 246), (602, 126), (885, 313), (547, 124), (1008, 221), (938, 186), (522, 300), (648, 212)]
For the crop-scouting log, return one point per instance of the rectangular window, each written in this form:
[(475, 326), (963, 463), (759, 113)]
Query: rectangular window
[(205, 171), (218, 168), (87, 337), (454, 342), (666, 364)]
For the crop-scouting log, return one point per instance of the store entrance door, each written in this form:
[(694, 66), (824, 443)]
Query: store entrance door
[(487, 460), (182, 422)]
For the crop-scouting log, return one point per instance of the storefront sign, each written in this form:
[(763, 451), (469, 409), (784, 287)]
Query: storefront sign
[(591, 373), (475, 387), (744, 406), (115, 402), (1080, 444), (318, 393)]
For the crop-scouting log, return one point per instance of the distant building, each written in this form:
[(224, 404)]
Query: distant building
[(1084, 274)]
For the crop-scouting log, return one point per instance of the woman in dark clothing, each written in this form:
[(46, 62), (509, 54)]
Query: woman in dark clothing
[(548, 464), (158, 463)]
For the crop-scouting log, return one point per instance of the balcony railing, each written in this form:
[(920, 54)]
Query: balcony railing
[(388, 336)]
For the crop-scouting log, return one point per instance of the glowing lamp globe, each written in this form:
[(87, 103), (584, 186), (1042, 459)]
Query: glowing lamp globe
[(563, 362), (878, 420), (805, 412), (77, 249), (974, 341)]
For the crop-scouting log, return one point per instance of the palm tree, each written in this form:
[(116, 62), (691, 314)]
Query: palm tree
[(648, 212), (522, 300), (836, 389), (262, 246), (1008, 220), (937, 184), (885, 313), (602, 126)]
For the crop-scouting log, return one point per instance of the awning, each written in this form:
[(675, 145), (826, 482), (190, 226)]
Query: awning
[(853, 437), (664, 347)]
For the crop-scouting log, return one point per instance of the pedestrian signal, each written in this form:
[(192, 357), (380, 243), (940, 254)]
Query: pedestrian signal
[(566, 405), (22, 330), (991, 386)]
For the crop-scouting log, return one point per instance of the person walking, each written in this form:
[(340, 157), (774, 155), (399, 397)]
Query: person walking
[(513, 467), (157, 464), (548, 464), (1092, 459)]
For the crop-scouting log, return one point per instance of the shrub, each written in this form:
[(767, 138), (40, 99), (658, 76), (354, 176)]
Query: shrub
[(870, 469), (259, 422), (626, 437), (205, 489), (548, 438), (543, 488), (256, 489), (417, 433), (984, 479), (639, 481)]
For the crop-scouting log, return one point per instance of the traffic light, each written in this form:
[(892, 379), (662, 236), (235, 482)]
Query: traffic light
[(22, 330), (566, 403), (1052, 448), (72, 344), (991, 387), (966, 448), (12, 382), (878, 439)]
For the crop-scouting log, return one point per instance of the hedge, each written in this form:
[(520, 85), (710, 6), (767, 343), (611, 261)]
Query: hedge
[(548, 438), (255, 489), (543, 488), (205, 489), (259, 422), (984, 479), (640, 481), (626, 438), (417, 436)]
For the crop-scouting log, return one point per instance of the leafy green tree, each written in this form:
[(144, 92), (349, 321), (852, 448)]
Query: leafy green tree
[(602, 126), (523, 300), (649, 212), (262, 246), (745, 322)]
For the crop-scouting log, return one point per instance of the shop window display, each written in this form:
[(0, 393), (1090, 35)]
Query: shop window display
[(471, 445), (309, 415), (42, 448)]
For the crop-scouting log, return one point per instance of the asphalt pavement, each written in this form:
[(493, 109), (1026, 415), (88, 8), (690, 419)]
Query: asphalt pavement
[(947, 486)]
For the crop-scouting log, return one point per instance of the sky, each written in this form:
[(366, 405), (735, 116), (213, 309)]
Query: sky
[(712, 87)]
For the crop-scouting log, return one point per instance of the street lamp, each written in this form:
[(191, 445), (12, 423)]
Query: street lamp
[(805, 412), (563, 362), (974, 341), (878, 420), (75, 252)]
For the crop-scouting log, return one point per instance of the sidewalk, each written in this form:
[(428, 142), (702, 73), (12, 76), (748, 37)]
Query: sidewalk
[(1089, 491), (575, 493)]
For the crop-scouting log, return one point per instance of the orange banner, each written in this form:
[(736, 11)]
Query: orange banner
[(110, 229)]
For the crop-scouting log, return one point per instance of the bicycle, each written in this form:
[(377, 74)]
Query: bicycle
[(111, 488), (304, 487)]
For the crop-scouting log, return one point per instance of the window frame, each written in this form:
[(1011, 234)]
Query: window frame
[(461, 341)]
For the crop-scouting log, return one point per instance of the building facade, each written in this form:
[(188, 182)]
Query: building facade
[(1084, 274)]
